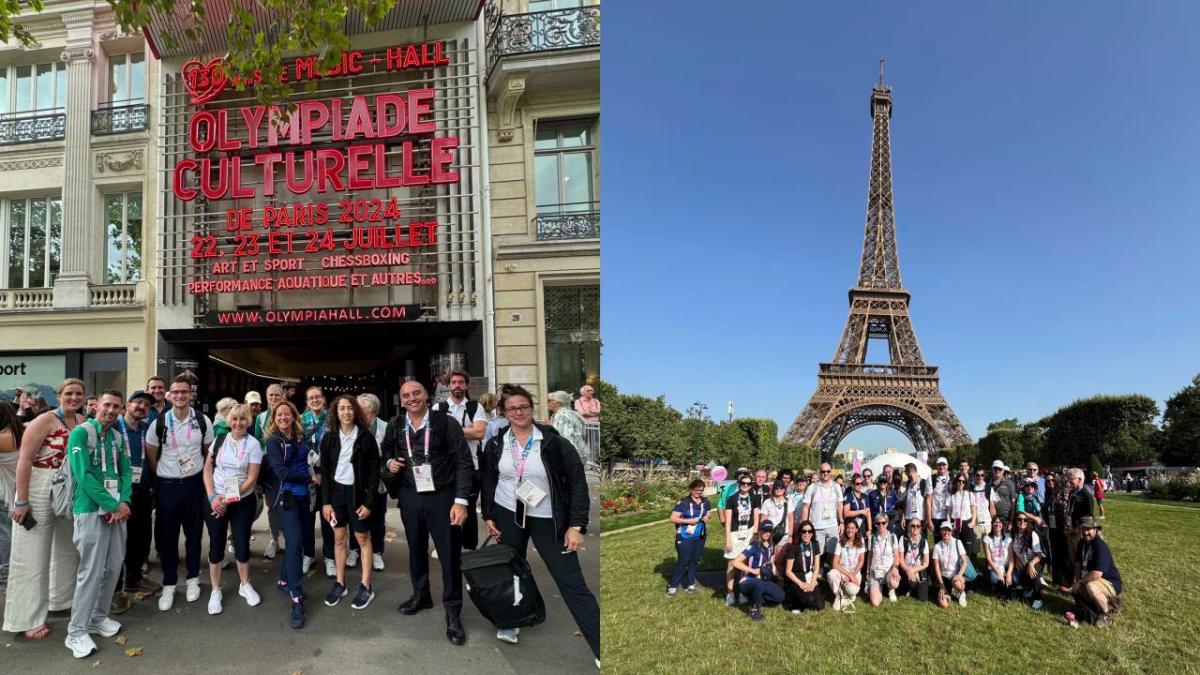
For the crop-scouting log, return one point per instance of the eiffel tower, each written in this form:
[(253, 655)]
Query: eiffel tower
[(851, 393)]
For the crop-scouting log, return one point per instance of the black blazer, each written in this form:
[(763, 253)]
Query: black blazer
[(449, 456), (569, 499), (365, 461)]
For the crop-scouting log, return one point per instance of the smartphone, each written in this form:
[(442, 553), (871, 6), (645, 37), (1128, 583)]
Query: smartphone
[(29, 522)]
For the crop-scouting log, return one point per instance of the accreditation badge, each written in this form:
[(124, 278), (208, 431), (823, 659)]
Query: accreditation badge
[(231, 490), (423, 476), (531, 494)]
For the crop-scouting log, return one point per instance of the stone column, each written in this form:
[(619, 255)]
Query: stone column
[(78, 244)]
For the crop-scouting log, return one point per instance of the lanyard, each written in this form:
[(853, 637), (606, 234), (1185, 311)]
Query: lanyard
[(238, 453), (806, 565), (171, 427), (409, 431), (999, 552), (516, 450), (111, 446)]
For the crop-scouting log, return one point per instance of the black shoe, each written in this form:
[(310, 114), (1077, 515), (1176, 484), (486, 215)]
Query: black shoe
[(362, 598), (415, 604), (336, 594), (297, 620), (454, 630), (756, 614)]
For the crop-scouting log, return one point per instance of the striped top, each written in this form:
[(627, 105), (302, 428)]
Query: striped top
[(53, 450)]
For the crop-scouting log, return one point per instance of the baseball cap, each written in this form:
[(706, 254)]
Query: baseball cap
[(947, 526), (142, 394), (778, 485), (765, 526), (998, 464), (942, 460), (253, 397)]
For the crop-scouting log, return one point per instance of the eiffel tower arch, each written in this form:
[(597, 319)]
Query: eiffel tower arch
[(904, 393)]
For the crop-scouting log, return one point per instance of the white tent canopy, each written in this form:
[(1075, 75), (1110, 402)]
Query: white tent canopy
[(897, 460)]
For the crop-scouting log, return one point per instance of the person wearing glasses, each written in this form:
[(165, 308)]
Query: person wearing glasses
[(882, 502), (175, 448), (1033, 473), (822, 506), (914, 561), (950, 567), (778, 510), (916, 494), (690, 518), (534, 488), (997, 547), (855, 505), (845, 577), (757, 565), (960, 511), (742, 513), (803, 570), (1004, 494), (1027, 559), (882, 569)]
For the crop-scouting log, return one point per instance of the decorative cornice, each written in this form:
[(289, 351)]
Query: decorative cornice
[(71, 54), (113, 161), (24, 164)]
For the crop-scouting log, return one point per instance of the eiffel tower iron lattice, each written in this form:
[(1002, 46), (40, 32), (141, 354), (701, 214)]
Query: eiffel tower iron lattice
[(903, 394)]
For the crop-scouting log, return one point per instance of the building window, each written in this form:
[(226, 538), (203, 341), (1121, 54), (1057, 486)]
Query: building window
[(572, 337), (565, 167), (123, 232), (31, 89), (33, 230), (127, 79)]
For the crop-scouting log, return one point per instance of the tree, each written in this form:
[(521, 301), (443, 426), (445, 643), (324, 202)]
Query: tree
[(1003, 444), (1117, 429), (1181, 427), (297, 28), (1007, 424), (640, 427)]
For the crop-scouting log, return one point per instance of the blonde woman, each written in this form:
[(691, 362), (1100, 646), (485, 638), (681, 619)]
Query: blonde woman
[(41, 575), (230, 474)]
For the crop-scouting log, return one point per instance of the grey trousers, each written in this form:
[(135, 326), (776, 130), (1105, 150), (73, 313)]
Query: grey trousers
[(101, 549), (6, 524)]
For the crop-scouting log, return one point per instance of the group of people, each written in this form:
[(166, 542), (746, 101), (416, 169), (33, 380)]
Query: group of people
[(89, 494), (1008, 534)]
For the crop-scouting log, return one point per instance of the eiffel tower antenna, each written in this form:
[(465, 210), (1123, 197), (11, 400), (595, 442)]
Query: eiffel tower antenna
[(904, 393)]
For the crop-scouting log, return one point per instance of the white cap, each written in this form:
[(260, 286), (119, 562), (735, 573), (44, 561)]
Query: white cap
[(253, 397), (998, 464), (942, 460)]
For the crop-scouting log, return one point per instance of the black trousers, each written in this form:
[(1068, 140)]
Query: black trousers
[(239, 516), (470, 529), (138, 534), (798, 599), (568, 576), (181, 504), (919, 589), (425, 515)]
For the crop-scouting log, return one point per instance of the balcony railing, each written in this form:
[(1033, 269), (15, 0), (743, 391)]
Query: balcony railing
[(577, 225), (27, 127), (118, 119), (114, 295), (26, 298), (535, 32), (877, 369)]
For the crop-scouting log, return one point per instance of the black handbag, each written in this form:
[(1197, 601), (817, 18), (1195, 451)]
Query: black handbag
[(780, 530), (501, 585)]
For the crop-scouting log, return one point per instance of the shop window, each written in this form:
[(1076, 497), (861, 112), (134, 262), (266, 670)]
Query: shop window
[(32, 228), (123, 232), (572, 337), (103, 371), (127, 79), (565, 167)]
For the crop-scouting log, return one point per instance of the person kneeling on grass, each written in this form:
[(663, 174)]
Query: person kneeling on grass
[(803, 570), (845, 575), (1097, 587), (950, 565), (883, 572), (758, 570), (914, 562), (741, 515), (1027, 559), (998, 548), (690, 518)]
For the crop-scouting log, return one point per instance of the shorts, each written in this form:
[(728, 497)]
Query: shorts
[(741, 539), (826, 539), (341, 498), (1106, 589)]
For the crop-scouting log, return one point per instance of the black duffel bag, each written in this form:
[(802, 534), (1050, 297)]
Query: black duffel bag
[(501, 585)]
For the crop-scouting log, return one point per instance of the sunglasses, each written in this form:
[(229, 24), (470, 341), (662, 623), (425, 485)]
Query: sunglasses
[(981, 475), (881, 522), (745, 484), (806, 531), (825, 471), (858, 483), (915, 526), (1021, 520)]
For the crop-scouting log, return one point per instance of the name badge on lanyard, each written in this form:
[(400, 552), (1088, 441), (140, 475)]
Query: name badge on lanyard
[(232, 486), (526, 491), (110, 484), (422, 473), (186, 462)]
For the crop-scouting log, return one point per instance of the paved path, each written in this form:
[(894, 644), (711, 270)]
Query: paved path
[(335, 640)]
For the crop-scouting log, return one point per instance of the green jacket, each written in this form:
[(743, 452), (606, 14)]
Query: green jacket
[(89, 470)]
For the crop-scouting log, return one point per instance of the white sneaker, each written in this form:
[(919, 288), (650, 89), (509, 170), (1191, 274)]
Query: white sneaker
[(795, 611), (214, 601), (509, 635), (306, 564), (352, 559), (106, 627), (272, 550), (377, 561), (837, 602), (81, 647), (742, 599), (229, 548), (1037, 604), (729, 599), (247, 591), (433, 553), (167, 599), (962, 599), (892, 595), (193, 589), (330, 568)]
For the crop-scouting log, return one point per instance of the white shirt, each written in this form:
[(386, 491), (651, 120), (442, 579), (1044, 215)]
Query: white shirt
[(535, 472), (823, 504), (344, 473), (948, 555), (458, 412), (983, 515), (999, 547), (941, 495), (959, 506), (775, 514), (233, 459), (183, 441), (883, 553), (848, 556)]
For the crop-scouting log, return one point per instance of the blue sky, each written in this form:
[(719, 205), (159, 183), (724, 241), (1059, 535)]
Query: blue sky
[(1046, 165)]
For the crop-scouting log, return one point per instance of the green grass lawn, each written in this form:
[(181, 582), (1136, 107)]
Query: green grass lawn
[(624, 520), (1157, 631)]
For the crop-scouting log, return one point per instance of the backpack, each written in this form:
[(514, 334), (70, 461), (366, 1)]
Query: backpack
[(921, 548), (161, 431), (472, 408), (62, 484)]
